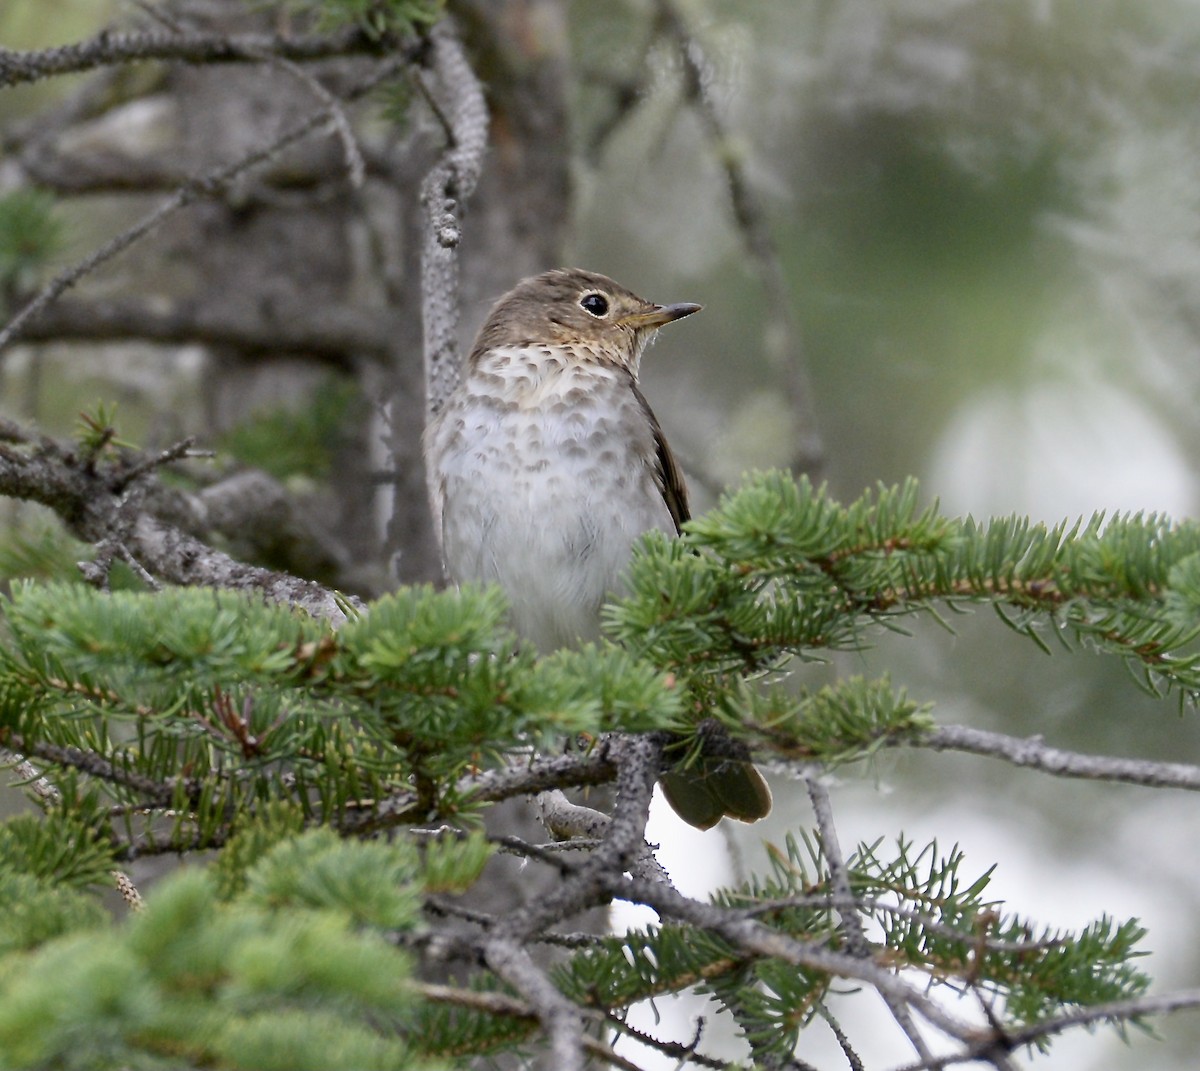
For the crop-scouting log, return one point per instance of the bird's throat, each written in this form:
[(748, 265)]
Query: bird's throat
[(539, 377)]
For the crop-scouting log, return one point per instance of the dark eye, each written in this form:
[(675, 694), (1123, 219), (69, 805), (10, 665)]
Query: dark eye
[(596, 304)]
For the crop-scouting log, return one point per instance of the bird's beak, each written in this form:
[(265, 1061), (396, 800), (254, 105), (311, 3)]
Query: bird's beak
[(657, 315)]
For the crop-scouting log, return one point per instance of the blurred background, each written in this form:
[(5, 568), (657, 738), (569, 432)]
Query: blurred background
[(985, 219), (989, 220)]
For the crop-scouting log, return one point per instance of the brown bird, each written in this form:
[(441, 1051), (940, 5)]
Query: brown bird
[(545, 466)]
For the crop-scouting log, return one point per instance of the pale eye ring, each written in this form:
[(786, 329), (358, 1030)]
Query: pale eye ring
[(594, 304)]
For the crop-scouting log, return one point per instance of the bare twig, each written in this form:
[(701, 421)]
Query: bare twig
[(206, 185), (981, 1049), (44, 789), (109, 49), (1034, 753), (173, 453), (355, 167), (852, 1057), (687, 1054), (327, 333), (560, 1018)]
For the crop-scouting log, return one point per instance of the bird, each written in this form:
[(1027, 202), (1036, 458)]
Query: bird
[(546, 464)]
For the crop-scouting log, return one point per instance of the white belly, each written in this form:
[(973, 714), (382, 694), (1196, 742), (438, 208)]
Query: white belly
[(547, 501)]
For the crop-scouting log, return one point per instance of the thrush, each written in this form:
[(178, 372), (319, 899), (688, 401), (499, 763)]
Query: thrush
[(546, 464)]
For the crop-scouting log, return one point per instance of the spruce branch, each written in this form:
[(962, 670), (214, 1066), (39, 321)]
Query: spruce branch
[(853, 1060), (92, 495), (839, 880), (755, 940), (152, 792), (561, 1020), (687, 1053), (1120, 1011), (783, 569)]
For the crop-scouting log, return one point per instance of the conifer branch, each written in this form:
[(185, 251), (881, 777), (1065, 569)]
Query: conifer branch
[(688, 1054), (839, 880), (1121, 1011), (89, 762), (92, 497), (755, 940), (561, 1020)]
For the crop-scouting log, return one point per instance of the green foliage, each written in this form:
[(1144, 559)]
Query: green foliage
[(841, 722), (36, 911), (453, 864), (288, 442), (375, 17), (918, 909), (44, 1022), (30, 234), (277, 821), (61, 846), (371, 884), (783, 571), (192, 719), (602, 689), (193, 979), (98, 431), (451, 1032), (40, 551)]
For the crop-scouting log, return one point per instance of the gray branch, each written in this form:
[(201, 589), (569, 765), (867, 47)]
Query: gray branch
[(1035, 754), (757, 940), (457, 98), (1124, 1011), (561, 1019), (107, 49), (104, 502), (329, 333), (205, 185)]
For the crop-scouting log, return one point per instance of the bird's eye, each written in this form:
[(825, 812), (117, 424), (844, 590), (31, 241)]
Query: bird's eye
[(596, 304)]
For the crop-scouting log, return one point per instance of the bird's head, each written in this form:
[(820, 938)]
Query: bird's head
[(589, 312)]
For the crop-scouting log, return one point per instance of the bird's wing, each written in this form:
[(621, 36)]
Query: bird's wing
[(667, 473)]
